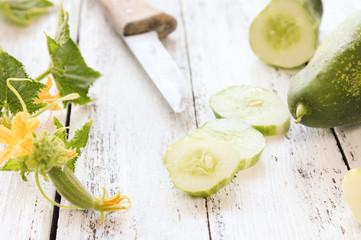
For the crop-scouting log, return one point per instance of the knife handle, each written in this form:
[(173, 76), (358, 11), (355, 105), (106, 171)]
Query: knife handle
[(132, 17)]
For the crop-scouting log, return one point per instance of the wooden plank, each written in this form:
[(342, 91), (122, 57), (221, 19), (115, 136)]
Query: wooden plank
[(295, 190), (25, 213), (350, 139), (133, 126)]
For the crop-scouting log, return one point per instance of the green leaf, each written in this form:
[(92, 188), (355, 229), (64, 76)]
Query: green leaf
[(70, 72), (79, 141), (23, 11), (12, 68), (62, 34), (61, 130), (57, 123), (12, 165)]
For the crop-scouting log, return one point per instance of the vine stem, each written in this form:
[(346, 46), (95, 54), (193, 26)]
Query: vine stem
[(43, 75), (47, 198), (301, 110), (65, 98), (16, 92)]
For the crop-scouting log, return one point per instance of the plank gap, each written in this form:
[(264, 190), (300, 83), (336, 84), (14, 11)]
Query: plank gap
[(54, 221), (208, 222), (67, 121), (189, 64), (193, 99), (57, 198), (79, 20), (344, 158)]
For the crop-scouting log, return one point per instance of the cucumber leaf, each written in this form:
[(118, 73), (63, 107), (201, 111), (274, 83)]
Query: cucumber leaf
[(70, 72), (61, 130), (29, 90), (23, 11), (12, 165), (79, 140), (15, 165)]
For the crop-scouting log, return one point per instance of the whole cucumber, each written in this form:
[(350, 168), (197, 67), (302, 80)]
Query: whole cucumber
[(327, 92)]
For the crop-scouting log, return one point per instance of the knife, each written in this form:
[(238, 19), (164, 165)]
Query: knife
[(141, 26)]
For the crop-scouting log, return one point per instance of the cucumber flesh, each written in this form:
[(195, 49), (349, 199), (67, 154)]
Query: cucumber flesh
[(246, 140), (201, 167), (260, 108), (284, 34), (352, 191)]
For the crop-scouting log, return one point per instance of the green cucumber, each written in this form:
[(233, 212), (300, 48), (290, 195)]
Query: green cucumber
[(199, 166), (352, 191), (260, 108), (327, 93), (70, 188), (285, 33), (246, 140)]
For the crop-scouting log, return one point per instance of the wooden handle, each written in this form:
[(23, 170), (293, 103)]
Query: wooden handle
[(132, 17)]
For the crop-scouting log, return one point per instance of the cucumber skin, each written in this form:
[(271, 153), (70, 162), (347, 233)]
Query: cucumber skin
[(213, 190), (70, 187), (314, 9), (265, 130), (273, 130), (331, 83)]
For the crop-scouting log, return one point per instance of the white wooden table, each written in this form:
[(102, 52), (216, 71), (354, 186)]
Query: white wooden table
[(294, 192)]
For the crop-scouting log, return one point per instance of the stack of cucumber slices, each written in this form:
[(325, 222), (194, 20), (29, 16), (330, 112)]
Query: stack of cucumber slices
[(209, 157)]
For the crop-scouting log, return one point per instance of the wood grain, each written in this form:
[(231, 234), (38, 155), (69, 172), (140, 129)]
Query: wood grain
[(133, 125), (294, 192)]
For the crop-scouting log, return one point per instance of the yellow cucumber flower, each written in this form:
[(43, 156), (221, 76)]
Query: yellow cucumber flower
[(45, 96), (18, 139), (71, 153), (113, 203), (5, 122)]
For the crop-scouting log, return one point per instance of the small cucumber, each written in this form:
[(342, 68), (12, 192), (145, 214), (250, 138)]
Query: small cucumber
[(285, 33), (246, 140), (260, 108), (70, 188), (352, 191), (327, 93), (199, 166)]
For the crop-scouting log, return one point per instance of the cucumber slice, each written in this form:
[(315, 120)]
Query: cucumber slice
[(200, 167), (285, 33), (352, 191), (246, 140), (260, 108)]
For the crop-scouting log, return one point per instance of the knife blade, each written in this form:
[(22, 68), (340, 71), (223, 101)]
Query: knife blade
[(141, 26)]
